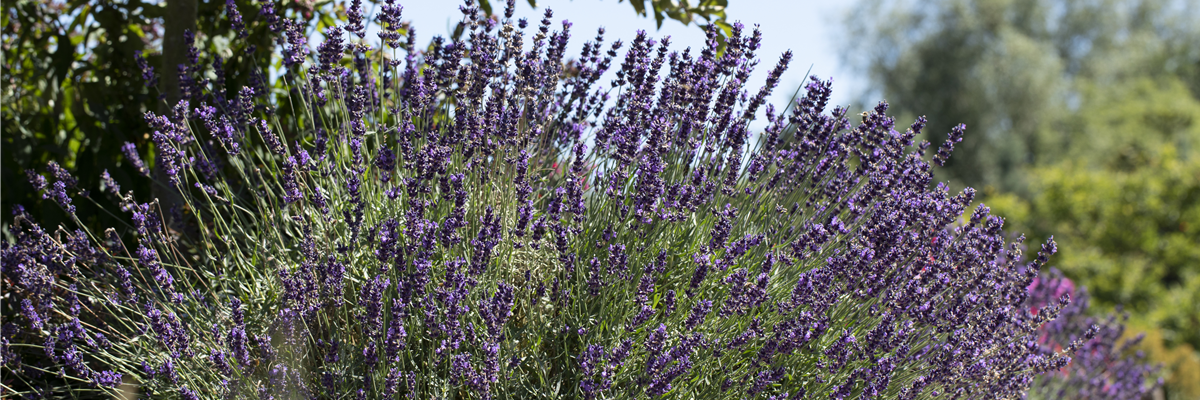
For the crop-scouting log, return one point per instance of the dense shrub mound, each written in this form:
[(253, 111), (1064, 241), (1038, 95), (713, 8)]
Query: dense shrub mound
[(485, 220)]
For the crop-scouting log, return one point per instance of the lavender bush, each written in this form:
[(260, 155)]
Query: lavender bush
[(486, 220)]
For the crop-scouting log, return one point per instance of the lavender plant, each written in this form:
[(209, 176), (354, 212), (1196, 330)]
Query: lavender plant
[(486, 220)]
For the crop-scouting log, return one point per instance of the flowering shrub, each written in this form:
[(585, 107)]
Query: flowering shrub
[(1102, 367), (480, 221)]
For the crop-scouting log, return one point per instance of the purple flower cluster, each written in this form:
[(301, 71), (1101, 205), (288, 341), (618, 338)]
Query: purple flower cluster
[(134, 159), (389, 22), (48, 311), (110, 184), (60, 190), (235, 19), (148, 76)]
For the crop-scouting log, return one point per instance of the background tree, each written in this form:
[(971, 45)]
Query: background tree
[(1008, 68)]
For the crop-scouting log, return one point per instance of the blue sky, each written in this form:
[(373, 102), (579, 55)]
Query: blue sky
[(808, 28)]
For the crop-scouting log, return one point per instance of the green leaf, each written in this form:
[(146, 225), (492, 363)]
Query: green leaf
[(639, 6), (63, 57), (726, 28), (80, 19), (486, 6), (658, 12), (326, 21)]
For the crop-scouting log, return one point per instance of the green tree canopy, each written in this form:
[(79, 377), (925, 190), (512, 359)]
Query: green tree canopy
[(1009, 68)]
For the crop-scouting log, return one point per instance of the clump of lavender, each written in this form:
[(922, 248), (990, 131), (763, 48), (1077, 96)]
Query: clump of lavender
[(1104, 367), (476, 221)]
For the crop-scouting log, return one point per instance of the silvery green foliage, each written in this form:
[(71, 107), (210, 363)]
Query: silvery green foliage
[(485, 220)]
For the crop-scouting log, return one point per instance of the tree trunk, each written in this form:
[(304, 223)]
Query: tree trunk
[(180, 17)]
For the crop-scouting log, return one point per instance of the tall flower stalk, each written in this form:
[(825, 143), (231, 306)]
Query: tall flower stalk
[(480, 221)]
